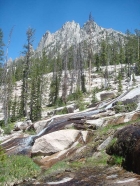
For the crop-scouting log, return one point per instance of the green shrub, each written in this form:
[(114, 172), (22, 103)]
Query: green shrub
[(2, 155), (119, 86), (94, 91), (1, 123), (59, 166), (17, 168), (59, 102), (116, 160), (97, 161), (7, 130), (63, 111), (120, 107), (77, 95)]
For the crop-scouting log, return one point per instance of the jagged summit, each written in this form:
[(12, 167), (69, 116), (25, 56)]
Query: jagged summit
[(71, 34)]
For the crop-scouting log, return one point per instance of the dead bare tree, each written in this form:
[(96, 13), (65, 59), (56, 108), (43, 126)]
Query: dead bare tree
[(7, 84)]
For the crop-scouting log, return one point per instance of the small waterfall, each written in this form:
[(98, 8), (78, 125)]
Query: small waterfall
[(23, 145)]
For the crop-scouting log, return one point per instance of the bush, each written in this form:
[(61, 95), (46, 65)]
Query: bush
[(120, 107), (59, 102), (94, 99), (77, 95), (1, 123), (116, 160), (7, 130), (81, 105), (63, 111), (15, 168)]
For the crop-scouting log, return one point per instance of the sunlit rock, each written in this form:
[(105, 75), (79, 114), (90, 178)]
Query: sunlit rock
[(55, 142), (132, 96), (22, 125), (107, 95), (48, 161)]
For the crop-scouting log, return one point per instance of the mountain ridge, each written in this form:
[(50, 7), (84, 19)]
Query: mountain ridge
[(71, 34)]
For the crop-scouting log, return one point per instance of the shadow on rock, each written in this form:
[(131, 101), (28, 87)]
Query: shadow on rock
[(127, 145)]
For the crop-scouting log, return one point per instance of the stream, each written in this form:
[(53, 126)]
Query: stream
[(23, 145)]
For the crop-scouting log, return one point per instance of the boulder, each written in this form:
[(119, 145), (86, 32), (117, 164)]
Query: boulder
[(16, 143), (71, 108), (107, 95), (54, 142), (114, 120), (22, 125), (48, 161), (126, 143), (85, 135), (132, 97), (103, 145), (40, 125)]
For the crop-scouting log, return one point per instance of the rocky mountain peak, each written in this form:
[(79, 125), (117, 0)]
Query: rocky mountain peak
[(71, 34)]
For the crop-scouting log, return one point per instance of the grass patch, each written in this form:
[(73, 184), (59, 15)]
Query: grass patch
[(58, 167), (116, 160), (76, 165), (16, 168), (104, 130), (31, 132), (101, 160)]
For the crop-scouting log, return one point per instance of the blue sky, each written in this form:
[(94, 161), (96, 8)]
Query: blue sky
[(43, 15)]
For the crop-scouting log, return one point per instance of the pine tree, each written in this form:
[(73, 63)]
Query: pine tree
[(91, 21), (7, 84), (55, 83), (138, 50), (25, 87), (103, 55), (121, 57), (36, 76), (65, 77), (97, 62), (13, 110)]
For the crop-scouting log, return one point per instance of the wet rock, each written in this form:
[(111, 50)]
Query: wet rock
[(16, 143), (40, 125), (127, 145)]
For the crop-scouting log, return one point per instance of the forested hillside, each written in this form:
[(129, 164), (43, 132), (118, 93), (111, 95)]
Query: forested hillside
[(69, 56), (70, 109)]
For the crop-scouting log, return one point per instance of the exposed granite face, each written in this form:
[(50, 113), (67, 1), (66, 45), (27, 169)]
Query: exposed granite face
[(71, 34)]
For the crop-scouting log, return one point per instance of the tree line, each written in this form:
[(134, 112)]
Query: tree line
[(67, 69)]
